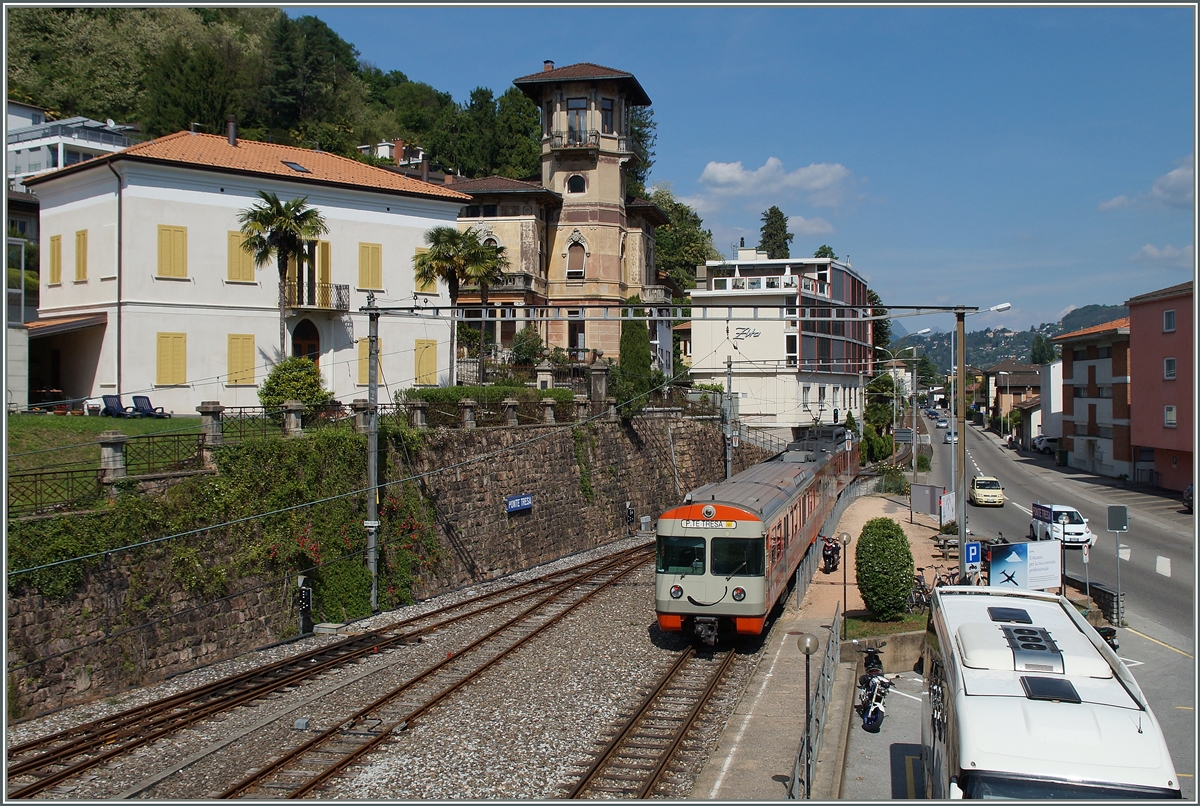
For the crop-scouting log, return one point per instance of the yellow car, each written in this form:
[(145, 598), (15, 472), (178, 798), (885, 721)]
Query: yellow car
[(986, 491)]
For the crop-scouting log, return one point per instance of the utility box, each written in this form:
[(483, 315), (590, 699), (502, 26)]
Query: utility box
[(1060, 457)]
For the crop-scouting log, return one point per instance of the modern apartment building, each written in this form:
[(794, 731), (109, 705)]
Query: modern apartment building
[(1096, 402), (806, 360), (1161, 335), (36, 145)]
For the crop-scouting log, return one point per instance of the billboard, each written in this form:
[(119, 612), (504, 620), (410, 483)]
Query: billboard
[(1034, 566)]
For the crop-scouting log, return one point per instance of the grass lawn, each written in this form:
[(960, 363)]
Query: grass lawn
[(48, 441), (866, 627)]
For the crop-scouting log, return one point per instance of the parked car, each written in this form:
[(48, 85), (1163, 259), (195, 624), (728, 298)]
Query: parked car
[(1060, 522), (1187, 498), (986, 491), (943, 423), (951, 437), (1045, 444)]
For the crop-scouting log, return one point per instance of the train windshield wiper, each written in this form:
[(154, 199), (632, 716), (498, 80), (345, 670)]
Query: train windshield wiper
[(734, 571)]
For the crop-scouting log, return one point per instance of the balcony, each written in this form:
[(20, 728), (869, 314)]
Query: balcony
[(575, 139), (515, 281), (317, 296), (80, 133), (655, 294)]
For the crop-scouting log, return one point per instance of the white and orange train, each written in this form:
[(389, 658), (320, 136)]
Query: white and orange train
[(727, 554)]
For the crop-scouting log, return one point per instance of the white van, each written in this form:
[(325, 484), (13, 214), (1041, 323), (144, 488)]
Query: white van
[(1060, 522)]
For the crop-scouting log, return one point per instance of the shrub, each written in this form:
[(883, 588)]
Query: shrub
[(922, 463), (883, 568), (851, 424), (293, 379), (949, 528), (527, 346)]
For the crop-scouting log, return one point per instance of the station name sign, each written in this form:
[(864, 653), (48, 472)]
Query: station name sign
[(709, 524), (518, 502)]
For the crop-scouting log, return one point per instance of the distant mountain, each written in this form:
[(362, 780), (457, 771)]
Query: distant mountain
[(1090, 315)]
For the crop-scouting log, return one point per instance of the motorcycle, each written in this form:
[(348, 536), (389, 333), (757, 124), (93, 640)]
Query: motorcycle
[(986, 565), (831, 553), (1109, 634), (873, 689)]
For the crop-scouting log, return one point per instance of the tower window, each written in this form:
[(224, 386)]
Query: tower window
[(606, 116), (576, 120), (575, 261), (576, 184)]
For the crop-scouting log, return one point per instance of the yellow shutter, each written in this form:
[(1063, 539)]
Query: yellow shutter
[(55, 259), (364, 350), (241, 359), (324, 272), (171, 359), (172, 251), (425, 288), (241, 262), (370, 266), (81, 255), (426, 362)]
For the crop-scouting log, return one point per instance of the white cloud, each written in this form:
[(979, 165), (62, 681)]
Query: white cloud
[(1175, 188), (823, 184), (1115, 203), (1167, 255), (809, 226)]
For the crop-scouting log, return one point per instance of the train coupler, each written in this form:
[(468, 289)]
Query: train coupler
[(706, 629)]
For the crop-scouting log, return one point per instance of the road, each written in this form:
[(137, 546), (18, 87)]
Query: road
[(1157, 564)]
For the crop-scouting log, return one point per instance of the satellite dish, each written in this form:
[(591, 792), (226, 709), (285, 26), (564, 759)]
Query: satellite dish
[(110, 123)]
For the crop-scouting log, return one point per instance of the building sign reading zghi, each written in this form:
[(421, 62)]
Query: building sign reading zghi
[(745, 333)]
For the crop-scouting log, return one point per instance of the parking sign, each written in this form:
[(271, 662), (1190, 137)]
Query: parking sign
[(972, 557)]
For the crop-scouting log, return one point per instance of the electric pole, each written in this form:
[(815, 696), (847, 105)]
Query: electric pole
[(372, 521), (728, 417)]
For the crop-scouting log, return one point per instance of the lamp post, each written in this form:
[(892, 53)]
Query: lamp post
[(892, 371), (1003, 418), (844, 539), (808, 645)]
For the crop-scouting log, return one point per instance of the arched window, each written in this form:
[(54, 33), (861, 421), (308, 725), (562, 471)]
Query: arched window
[(306, 342), (576, 184), (575, 261)]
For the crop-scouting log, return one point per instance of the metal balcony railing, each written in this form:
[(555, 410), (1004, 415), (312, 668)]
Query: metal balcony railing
[(320, 296), (73, 132), (575, 138)]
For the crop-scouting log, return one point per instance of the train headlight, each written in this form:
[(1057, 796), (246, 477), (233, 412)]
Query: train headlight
[(739, 594), (676, 591)]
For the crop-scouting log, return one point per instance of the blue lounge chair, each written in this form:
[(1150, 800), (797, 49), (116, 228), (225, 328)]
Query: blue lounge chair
[(141, 404), (114, 408)]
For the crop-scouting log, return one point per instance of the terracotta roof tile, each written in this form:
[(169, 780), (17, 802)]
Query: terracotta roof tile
[(586, 71), (500, 184), (1163, 293), (1104, 327), (250, 156)]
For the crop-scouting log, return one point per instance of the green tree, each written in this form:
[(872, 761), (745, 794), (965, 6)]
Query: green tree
[(456, 259), (775, 237), (927, 371), (683, 244), (851, 424), (478, 152), (633, 378), (825, 250), (193, 85), (883, 568), (881, 329), (272, 227), (518, 136), (527, 346), (643, 135), (293, 378), (1042, 351)]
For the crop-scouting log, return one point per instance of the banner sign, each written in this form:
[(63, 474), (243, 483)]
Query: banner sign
[(947, 508), (518, 502), (1034, 566)]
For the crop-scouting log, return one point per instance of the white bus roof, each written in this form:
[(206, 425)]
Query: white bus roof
[(1039, 696)]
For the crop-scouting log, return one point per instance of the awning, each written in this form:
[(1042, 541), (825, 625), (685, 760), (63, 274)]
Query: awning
[(64, 324)]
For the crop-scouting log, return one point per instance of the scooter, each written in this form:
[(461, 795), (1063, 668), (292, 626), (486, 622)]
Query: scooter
[(873, 687), (1109, 634), (831, 552)]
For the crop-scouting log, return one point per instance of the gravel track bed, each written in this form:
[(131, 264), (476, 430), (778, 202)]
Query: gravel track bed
[(398, 665)]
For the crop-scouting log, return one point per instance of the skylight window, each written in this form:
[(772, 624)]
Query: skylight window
[(297, 167)]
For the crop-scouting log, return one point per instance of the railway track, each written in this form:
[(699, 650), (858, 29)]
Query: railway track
[(39, 764), (312, 765), (642, 750)]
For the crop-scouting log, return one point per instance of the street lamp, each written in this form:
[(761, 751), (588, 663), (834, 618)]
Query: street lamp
[(1003, 420), (892, 371), (808, 645), (844, 539), (893, 354)]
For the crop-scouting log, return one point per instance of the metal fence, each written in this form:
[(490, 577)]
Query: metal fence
[(156, 453), (54, 489), (817, 710)]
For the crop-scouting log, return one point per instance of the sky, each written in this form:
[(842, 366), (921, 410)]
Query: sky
[(969, 155)]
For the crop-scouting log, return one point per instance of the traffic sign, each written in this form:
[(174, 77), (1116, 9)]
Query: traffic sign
[(972, 557), (1118, 518), (903, 436), (1087, 549)]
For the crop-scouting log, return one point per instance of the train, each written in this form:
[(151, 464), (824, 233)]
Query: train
[(726, 555)]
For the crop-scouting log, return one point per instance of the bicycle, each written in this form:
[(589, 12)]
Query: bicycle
[(946, 577), (919, 596)]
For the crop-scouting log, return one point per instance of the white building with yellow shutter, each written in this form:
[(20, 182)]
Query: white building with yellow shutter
[(145, 289)]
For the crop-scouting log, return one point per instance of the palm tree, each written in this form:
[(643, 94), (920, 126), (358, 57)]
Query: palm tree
[(280, 228), (459, 258)]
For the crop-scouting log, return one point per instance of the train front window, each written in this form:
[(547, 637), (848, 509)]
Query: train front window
[(681, 555), (737, 556), (995, 786)]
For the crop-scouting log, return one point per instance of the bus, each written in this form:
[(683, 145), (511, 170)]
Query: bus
[(1024, 700)]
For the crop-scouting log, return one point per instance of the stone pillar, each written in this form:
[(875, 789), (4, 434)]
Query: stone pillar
[(210, 429), (598, 375), (548, 410), (581, 407), (467, 405), (545, 376), (510, 410), (112, 455), (610, 408), (361, 409), (416, 413), (292, 423)]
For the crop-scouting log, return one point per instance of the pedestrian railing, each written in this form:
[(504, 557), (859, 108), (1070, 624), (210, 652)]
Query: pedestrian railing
[(157, 453), (55, 489), (816, 712)]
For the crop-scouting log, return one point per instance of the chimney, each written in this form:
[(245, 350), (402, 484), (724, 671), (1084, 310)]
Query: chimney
[(424, 168), (547, 66), (742, 243), (231, 129), (397, 151)]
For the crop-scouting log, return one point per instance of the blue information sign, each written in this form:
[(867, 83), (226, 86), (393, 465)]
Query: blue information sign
[(971, 552), (518, 502)]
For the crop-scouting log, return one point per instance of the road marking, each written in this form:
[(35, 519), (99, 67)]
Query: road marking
[(1129, 662), (1163, 566), (1184, 774), (1184, 707), (902, 694), (1123, 552), (1023, 509), (1155, 640), (911, 776)]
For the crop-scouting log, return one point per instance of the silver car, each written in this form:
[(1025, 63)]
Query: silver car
[(951, 437)]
